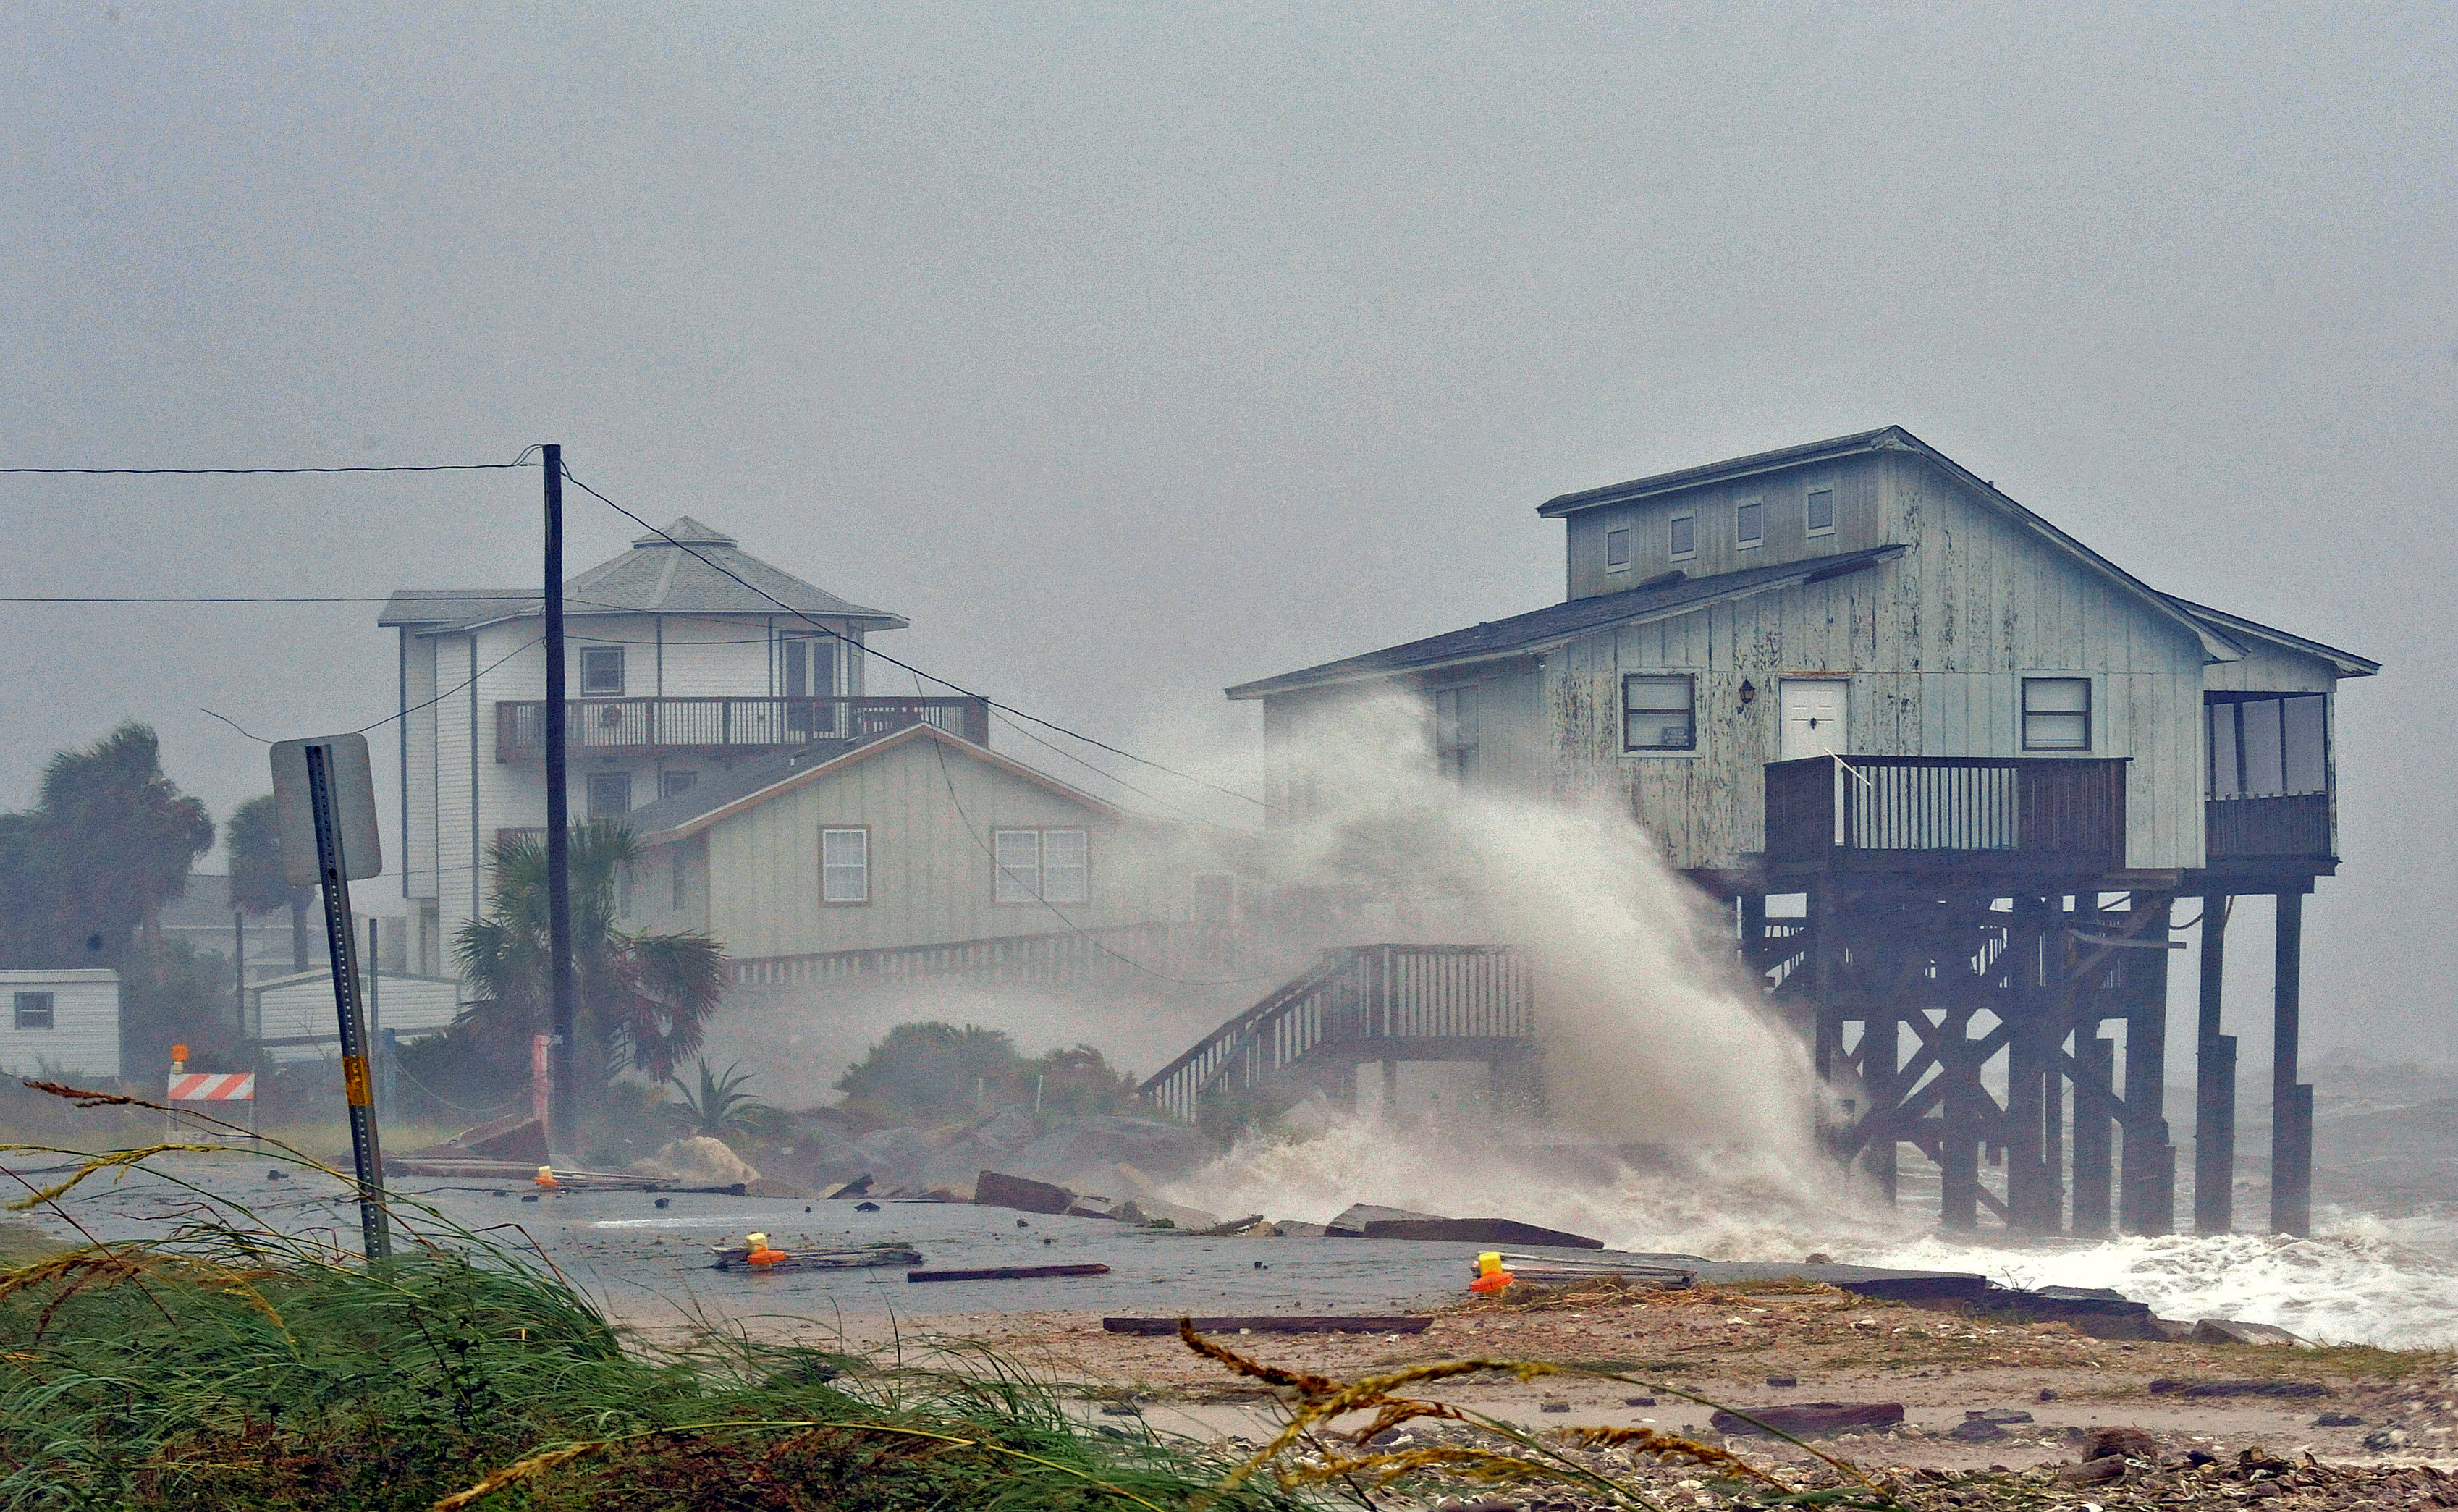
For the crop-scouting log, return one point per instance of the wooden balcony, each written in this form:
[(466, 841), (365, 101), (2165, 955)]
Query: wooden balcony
[(2049, 814), (651, 727)]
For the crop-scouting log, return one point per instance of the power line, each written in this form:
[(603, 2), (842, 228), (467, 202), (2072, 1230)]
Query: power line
[(249, 472), (942, 682)]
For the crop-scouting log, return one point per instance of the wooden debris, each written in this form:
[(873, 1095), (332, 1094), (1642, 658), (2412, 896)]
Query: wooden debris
[(2238, 1388), (735, 1258), (1396, 1324), (1808, 1420), (1008, 1272)]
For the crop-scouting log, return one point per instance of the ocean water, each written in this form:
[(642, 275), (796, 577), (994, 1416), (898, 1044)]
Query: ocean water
[(2361, 1278)]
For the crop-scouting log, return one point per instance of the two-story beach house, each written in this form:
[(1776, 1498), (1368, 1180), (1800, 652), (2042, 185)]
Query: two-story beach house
[(1973, 761)]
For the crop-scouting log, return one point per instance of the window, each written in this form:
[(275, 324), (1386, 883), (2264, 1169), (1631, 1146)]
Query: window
[(1819, 516), (2269, 745), (845, 866), (1455, 734), (2056, 713), (679, 868), (1051, 866), (1618, 548), (1749, 522), (673, 782), (601, 672), (34, 1010), (1684, 536), (1656, 713), (610, 795)]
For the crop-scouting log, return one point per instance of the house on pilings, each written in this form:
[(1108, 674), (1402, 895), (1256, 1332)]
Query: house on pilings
[(1982, 774)]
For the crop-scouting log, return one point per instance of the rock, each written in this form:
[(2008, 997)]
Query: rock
[(1821, 1257), (1087, 1206), (1783, 1381), (865, 1207), (962, 1148), (2337, 1419), (1151, 1211), (2393, 1436), (1810, 1419), (2228, 1331), (2000, 1414), (1638, 1401), (1975, 1430), (1553, 1406), (2124, 1443), (2166, 1387), (994, 1188), (1086, 1154), (894, 1157), (701, 1161), (2098, 1310), (770, 1186), (2094, 1472), (857, 1187), (2047, 1393)]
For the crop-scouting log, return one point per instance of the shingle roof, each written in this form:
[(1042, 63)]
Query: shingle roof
[(657, 576), (1560, 621), (717, 788)]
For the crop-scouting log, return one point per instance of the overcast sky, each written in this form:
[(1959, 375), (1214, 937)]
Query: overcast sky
[(1135, 351)]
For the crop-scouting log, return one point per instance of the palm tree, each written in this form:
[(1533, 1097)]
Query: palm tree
[(642, 999), (253, 838), (122, 837)]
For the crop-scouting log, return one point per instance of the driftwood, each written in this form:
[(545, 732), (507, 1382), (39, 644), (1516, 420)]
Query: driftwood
[(1809, 1419), (735, 1258), (1271, 1325), (1007, 1273)]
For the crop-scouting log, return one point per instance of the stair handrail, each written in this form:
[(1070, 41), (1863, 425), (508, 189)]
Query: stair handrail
[(1234, 1036)]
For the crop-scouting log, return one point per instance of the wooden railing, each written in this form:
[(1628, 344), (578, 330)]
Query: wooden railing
[(2064, 811), (1360, 1001), (600, 726), (1157, 949), (2297, 825)]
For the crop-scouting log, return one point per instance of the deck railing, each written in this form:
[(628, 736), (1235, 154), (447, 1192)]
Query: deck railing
[(2294, 824), (1361, 998), (2066, 811), (600, 726)]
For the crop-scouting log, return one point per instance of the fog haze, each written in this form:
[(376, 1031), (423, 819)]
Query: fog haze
[(1132, 352)]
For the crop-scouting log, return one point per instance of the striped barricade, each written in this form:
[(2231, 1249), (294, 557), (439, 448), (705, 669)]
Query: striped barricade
[(219, 1087)]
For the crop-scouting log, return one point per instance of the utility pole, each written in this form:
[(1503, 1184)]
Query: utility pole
[(562, 1120)]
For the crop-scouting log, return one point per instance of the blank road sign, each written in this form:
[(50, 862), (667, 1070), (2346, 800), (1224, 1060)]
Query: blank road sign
[(353, 785)]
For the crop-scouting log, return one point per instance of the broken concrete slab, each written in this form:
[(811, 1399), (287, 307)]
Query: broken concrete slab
[(2098, 1310), (994, 1188), (1235, 1227), (515, 1137), (857, 1187), (1087, 1206), (1152, 1212), (1477, 1230), (1352, 1220), (1807, 1420), (2229, 1331), (1295, 1229)]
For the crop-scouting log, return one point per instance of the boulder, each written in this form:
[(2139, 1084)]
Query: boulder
[(992, 1189), (1809, 1420), (701, 1161), (2337, 1419), (1975, 1430), (2228, 1331), (2094, 1472)]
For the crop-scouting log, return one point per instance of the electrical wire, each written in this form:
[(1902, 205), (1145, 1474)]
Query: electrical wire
[(253, 473), (831, 632)]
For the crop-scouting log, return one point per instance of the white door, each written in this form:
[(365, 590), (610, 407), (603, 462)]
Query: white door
[(1813, 717)]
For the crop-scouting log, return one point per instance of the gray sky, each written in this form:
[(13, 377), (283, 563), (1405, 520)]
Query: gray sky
[(1133, 351)]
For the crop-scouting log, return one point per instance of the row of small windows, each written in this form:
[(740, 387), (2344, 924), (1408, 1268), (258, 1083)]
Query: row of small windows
[(1046, 866), (1749, 528), (1659, 713), (808, 665)]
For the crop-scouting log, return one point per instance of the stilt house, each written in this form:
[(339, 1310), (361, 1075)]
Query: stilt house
[(1978, 764)]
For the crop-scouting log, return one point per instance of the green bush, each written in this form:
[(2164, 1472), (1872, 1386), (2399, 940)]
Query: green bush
[(935, 1073)]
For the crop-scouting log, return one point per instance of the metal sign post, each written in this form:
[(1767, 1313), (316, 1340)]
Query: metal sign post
[(337, 795)]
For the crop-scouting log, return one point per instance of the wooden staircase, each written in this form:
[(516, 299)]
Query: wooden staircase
[(1386, 1002)]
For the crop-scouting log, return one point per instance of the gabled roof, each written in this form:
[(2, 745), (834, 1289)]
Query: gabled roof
[(756, 782), (1546, 628), (2346, 663), (658, 576), (2216, 643)]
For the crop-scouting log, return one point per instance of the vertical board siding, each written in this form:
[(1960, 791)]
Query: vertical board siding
[(83, 1040)]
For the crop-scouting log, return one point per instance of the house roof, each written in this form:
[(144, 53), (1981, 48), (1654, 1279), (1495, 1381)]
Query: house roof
[(2346, 663), (673, 572), (2217, 644), (756, 782), (1558, 623)]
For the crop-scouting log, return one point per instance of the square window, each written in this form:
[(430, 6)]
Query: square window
[(1066, 875), (1749, 523), (845, 866), (1018, 856), (34, 1010), (673, 782), (610, 795), (1657, 713), (2056, 713), (601, 672), (1819, 516), (1618, 548), (1684, 536)]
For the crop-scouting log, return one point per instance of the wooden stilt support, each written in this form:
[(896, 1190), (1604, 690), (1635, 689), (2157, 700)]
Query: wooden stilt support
[(2148, 1186), (1958, 1135), (2214, 1084), (2291, 1104), (2093, 1129), (1879, 1073), (2032, 1195)]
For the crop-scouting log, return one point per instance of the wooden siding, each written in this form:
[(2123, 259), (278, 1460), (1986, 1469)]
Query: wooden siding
[(1934, 645), (1860, 522), (2272, 668), (930, 871), (83, 1040)]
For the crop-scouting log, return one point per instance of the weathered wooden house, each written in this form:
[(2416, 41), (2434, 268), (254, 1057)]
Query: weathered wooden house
[(1985, 760), (61, 1023)]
